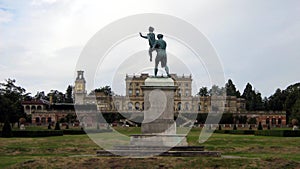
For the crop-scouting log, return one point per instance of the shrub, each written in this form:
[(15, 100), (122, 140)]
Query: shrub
[(294, 122), (73, 132), (234, 127), (49, 126), (57, 126), (243, 132), (38, 133), (6, 130), (259, 126), (278, 133)]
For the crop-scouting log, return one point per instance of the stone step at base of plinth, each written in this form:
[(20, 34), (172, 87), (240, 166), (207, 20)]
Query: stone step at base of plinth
[(158, 152), (176, 148)]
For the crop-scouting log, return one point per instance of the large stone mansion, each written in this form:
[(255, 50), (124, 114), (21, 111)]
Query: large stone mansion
[(44, 112), (133, 101)]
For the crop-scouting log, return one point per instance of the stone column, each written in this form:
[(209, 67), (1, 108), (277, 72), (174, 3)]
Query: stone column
[(159, 106), (158, 127)]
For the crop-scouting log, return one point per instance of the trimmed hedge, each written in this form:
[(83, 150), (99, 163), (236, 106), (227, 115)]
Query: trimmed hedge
[(77, 132), (244, 132), (278, 133), (39, 133), (73, 132)]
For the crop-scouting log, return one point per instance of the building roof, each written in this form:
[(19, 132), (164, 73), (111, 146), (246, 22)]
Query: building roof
[(36, 102)]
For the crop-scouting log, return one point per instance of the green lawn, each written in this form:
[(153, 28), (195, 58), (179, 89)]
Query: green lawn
[(77, 151)]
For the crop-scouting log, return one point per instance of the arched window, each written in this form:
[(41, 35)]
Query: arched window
[(187, 93), (186, 106), (117, 105), (129, 106), (273, 121), (137, 92), (137, 106), (33, 108), (199, 106), (27, 107), (130, 92), (279, 121), (39, 107), (43, 120), (37, 120), (49, 120), (267, 121), (179, 106)]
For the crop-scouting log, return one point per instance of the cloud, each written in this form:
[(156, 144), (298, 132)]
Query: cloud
[(5, 15), (256, 40)]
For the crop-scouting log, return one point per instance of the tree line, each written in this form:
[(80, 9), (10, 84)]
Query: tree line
[(12, 95), (282, 100)]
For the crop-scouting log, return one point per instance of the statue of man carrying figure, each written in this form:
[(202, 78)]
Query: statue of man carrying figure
[(160, 47)]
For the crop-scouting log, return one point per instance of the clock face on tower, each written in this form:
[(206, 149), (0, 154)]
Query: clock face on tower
[(79, 87)]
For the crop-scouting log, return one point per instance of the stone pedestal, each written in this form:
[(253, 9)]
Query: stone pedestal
[(158, 127)]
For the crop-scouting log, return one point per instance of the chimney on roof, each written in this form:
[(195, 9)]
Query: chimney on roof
[(51, 99)]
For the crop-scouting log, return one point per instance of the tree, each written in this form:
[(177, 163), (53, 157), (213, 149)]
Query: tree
[(70, 118), (260, 127), (231, 89), (287, 100), (241, 119), (295, 110), (258, 102), (253, 98), (276, 101), (57, 96), (11, 97), (69, 98), (106, 89), (252, 120), (227, 118), (6, 130), (217, 91), (203, 91), (57, 126), (234, 127), (266, 105), (220, 127), (40, 95)]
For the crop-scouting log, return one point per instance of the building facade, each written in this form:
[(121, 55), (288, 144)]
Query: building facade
[(44, 112), (133, 101)]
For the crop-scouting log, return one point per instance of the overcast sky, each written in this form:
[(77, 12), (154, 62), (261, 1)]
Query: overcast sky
[(257, 41)]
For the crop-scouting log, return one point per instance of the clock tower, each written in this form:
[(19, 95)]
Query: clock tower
[(79, 89)]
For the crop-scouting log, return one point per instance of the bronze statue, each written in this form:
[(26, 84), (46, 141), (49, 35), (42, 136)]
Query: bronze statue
[(160, 47)]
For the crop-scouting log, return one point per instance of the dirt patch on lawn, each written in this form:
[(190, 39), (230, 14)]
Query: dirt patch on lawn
[(154, 162)]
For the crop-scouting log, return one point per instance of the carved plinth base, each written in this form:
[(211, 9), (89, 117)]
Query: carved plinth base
[(167, 140)]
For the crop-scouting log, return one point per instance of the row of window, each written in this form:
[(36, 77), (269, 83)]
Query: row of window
[(179, 84), (33, 107), (137, 93), (187, 93), (273, 121), (137, 106), (43, 120)]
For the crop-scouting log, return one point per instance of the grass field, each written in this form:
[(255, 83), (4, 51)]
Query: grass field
[(78, 151)]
